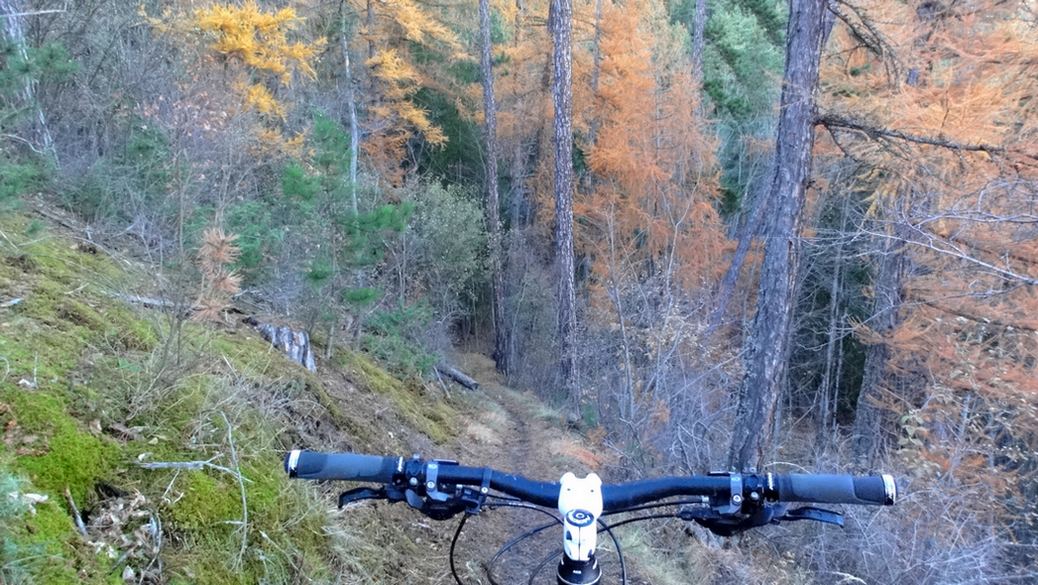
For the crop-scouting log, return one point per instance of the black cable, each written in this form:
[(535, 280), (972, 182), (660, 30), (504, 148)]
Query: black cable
[(507, 502), (527, 507), (515, 541), (654, 506), (619, 551), (505, 498), (607, 528), (640, 518), (454, 541), (540, 566), (528, 534)]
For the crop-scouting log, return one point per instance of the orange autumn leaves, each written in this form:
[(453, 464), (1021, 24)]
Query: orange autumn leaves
[(647, 211)]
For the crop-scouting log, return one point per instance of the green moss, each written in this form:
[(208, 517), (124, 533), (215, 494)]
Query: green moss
[(207, 504), (433, 417), (93, 357), (282, 520), (60, 453), (42, 547)]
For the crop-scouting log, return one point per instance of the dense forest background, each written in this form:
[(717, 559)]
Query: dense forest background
[(722, 234)]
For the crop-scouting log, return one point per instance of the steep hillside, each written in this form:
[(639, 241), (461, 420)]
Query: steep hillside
[(93, 390), (139, 447)]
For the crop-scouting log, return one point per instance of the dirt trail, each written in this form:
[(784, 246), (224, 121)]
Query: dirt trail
[(502, 428), (515, 432)]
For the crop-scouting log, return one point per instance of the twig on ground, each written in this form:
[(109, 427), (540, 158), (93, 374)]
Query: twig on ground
[(8, 240), (241, 486), (80, 526), (287, 556), (189, 465), (443, 384)]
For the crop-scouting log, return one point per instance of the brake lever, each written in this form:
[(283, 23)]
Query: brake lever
[(358, 494), (816, 514)]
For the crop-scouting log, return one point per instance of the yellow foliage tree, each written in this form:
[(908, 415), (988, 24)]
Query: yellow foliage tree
[(261, 54), (259, 41), (391, 30)]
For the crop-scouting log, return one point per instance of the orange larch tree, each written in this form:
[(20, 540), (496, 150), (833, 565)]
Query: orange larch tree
[(647, 220), (936, 103)]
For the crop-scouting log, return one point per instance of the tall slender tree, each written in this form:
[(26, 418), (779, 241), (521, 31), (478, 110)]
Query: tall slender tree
[(351, 106), (12, 14), (492, 205), (560, 21), (766, 348)]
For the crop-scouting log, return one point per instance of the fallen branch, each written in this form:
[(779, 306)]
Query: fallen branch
[(33, 13), (191, 465), (80, 526), (241, 486), (457, 375), (446, 391), (150, 302)]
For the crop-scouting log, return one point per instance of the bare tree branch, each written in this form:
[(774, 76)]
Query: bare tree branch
[(834, 121), (933, 243)]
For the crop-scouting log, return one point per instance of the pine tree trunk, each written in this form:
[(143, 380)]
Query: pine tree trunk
[(11, 13), (493, 208), (766, 348), (698, 40), (351, 105), (869, 415), (750, 230), (560, 22), (830, 379)]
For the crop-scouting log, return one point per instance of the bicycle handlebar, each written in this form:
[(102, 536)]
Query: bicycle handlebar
[(342, 466), (878, 490)]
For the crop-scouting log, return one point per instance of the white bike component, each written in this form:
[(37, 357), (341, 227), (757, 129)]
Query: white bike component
[(580, 503)]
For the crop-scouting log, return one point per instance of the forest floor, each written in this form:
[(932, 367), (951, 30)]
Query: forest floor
[(509, 430)]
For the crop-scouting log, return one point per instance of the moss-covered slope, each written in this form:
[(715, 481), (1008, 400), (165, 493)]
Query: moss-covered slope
[(92, 390)]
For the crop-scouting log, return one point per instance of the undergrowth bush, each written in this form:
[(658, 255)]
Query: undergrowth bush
[(392, 336)]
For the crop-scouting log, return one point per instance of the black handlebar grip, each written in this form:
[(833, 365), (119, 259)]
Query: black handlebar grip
[(342, 466), (875, 490)]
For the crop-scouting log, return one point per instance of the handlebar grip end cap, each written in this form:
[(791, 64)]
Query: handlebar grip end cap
[(291, 462), (889, 489)]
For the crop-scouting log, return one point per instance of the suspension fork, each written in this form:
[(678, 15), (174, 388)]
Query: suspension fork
[(580, 504)]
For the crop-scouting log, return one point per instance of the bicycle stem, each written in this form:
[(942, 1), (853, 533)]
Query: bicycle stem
[(580, 504)]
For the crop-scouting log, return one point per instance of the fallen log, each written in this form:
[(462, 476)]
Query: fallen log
[(149, 302), (295, 344), (457, 375)]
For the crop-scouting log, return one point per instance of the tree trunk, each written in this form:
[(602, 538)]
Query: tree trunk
[(294, 343), (560, 22), (869, 415), (725, 290), (830, 379), (766, 348), (11, 12), (493, 206), (698, 40), (457, 375), (351, 105)]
